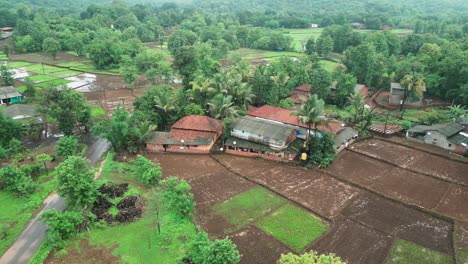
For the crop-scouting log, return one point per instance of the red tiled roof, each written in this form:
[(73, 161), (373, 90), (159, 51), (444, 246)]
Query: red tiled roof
[(251, 108), (286, 116), (299, 96), (304, 88), (189, 135), (198, 123)]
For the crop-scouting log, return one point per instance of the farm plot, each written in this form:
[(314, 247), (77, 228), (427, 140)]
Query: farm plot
[(400, 184), (216, 187), (461, 242), (402, 222), (186, 166), (257, 247), (454, 203), (405, 252), (416, 160), (293, 226), (354, 243), (318, 192)]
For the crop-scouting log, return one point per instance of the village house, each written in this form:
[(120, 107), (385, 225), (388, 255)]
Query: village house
[(6, 32), (286, 117), (23, 112), (344, 138), (300, 93), (9, 95), (255, 137), (449, 136), (191, 134), (359, 88), (397, 93)]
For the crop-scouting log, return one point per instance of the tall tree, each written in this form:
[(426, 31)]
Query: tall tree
[(311, 114), (221, 107), (52, 46), (165, 104), (75, 182)]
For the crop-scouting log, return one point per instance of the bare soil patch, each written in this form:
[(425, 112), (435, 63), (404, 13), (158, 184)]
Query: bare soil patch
[(415, 160), (320, 193), (185, 166), (461, 236), (358, 169), (217, 187), (257, 247), (212, 223), (455, 203), (85, 254), (354, 243), (411, 188), (402, 222)]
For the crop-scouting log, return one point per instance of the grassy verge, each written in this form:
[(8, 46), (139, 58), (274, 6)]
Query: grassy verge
[(65, 73), (462, 256), (17, 211), (405, 252), (293, 226), (139, 241), (246, 207)]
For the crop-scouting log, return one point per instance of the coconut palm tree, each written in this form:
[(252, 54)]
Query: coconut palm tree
[(413, 84), (164, 103), (240, 91), (279, 81), (221, 106), (311, 113), (357, 103)]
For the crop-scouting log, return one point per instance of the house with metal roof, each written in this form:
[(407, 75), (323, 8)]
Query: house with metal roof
[(191, 134), (23, 112), (449, 136), (9, 95), (255, 137)]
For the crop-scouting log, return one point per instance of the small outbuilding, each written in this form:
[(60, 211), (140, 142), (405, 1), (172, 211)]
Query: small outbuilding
[(9, 95), (449, 136)]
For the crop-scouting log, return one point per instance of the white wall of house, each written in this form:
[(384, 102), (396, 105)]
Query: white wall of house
[(438, 139), (258, 138)]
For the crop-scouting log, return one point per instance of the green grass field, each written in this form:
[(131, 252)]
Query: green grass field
[(17, 211), (3, 57), (301, 35), (246, 207), (41, 78), (95, 112), (293, 226), (265, 55), (43, 69), (84, 67), (405, 252), (53, 83), (64, 73), (328, 65), (17, 64)]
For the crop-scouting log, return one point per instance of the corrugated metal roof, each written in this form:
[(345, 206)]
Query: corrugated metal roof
[(255, 126), (23, 110), (458, 139), (346, 134), (447, 129), (8, 92)]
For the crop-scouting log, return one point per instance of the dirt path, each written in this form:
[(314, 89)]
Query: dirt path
[(31, 237)]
